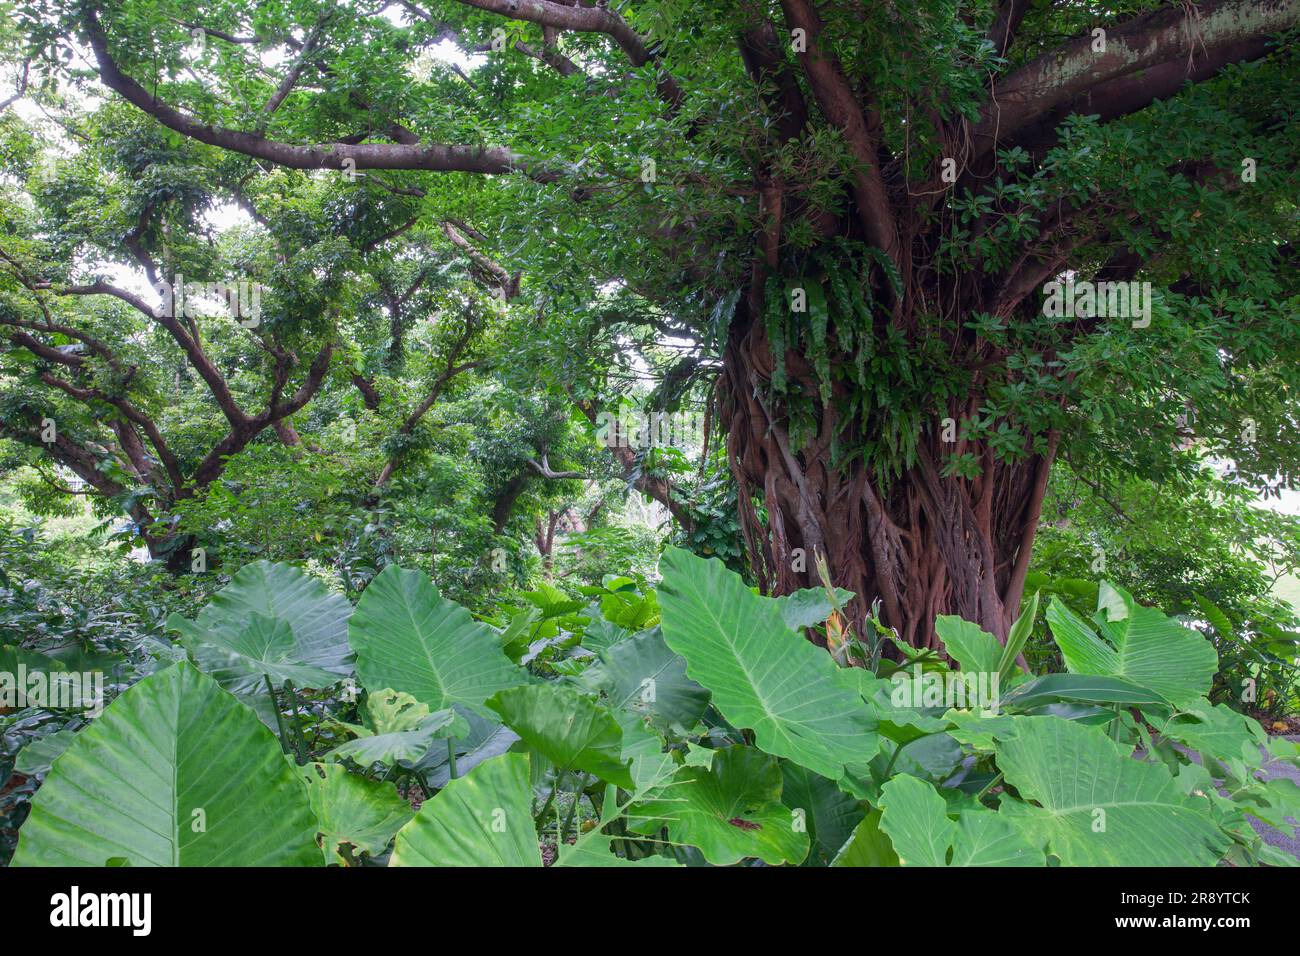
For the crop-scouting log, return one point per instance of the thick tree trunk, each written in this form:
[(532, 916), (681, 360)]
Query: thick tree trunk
[(923, 544)]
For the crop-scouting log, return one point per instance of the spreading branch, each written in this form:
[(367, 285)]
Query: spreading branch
[(1183, 41), (492, 160)]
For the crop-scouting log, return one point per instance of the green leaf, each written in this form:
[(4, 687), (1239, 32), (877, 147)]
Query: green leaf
[(516, 636), (596, 849), (1096, 806), (486, 738), (39, 755), (56, 685), (980, 732), (809, 606), (968, 644), (176, 772), (867, 845), (409, 638), (828, 813), (631, 611), (1116, 603), (731, 811), (1018, 638), (915, 817), (1214, 614), (1219, 731), (241, 655), (898, 723), (481, 819), (389, 711), (570, 729), (11, 657), (934, 758), (650, 765), (985, 838), (317, 617), (601, 635), (406, 747), (1151, 650), (643, 675), (1087, 687), (353, 810), (762, 675)]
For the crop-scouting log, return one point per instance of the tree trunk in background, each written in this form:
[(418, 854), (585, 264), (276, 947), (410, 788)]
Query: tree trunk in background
[(923, 544)]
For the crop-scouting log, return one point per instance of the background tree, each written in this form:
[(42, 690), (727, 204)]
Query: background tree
[(855, 207)]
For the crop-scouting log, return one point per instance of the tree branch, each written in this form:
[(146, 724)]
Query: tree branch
[(543, 468), (584, 19), (837, 100), (1176, 35), (210, 374), (438, 158)]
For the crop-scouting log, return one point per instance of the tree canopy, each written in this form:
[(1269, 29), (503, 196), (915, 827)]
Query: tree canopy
[(905, 257)]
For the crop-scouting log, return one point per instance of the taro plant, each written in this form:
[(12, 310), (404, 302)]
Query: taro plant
[(693, 725)]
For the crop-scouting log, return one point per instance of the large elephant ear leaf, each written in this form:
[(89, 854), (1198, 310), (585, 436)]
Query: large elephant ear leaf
[(597, 849), (352, 810), (822, 808), (317, 617), (32, 661), (1217, 730), (176, 772), (409, 638), (763, 676), (571, 730), (976, 650), (1149, 649), (651, 768), (915, 818), (867, 846), (486, 738), (644, 675), (481, 819), (730, 811), (407, 746), (1096, 805), (243, 655)]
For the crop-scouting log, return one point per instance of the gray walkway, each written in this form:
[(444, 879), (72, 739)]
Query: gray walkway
[(1273, 836)]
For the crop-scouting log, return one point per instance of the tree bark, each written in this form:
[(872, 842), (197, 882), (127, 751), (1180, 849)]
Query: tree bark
[(922, 544)]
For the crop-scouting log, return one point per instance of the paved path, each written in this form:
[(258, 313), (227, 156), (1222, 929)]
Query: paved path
[(1285, 841)]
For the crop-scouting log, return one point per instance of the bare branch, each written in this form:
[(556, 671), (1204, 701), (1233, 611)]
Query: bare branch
[(543, 468), (208, 371), (505, 282), (291, 78)]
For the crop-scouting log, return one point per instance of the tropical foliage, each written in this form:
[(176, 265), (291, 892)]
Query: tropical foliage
[(692, 725), (538, 432)]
